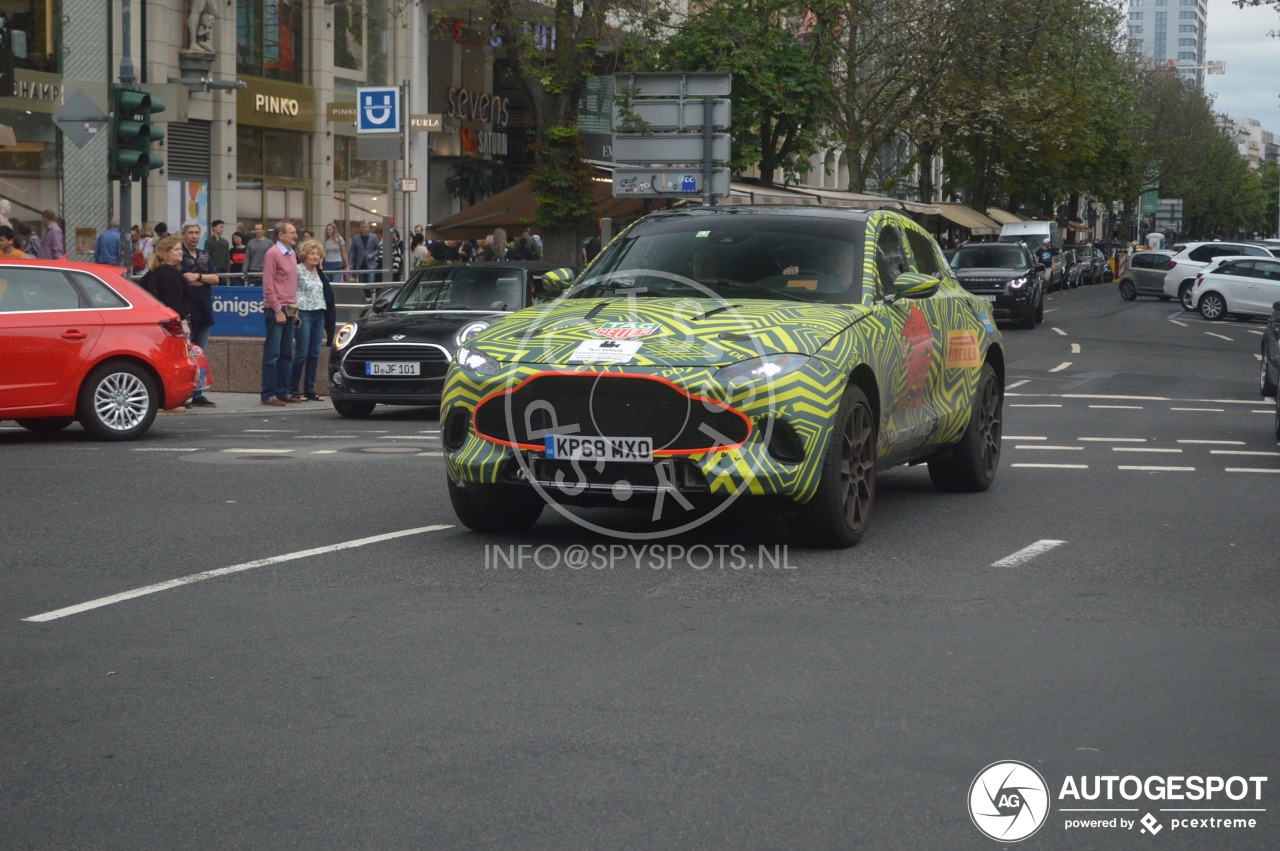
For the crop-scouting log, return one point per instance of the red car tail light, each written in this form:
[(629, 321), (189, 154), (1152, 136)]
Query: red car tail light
[(172, 327), (1172, 263)]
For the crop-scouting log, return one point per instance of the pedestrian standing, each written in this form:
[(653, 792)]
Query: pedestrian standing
[(237, 258), (317, 314), (52, 245), (8, 250), (165, 281), (335, 252), (366, 254), (255, 254), (218, 248), (280, 312), (197, 270), (107, 251), (29, 238)]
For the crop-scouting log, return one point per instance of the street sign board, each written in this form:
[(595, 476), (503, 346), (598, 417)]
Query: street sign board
[(406, 184), (668, 148), (377, 109), (665, 114), (674, 84), (80, 119), (667, 183), (429, 121)]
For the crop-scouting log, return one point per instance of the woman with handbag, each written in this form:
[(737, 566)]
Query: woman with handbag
[(164, 280)]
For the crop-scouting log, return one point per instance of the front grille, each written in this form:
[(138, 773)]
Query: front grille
[(433, 360), (609, 406)]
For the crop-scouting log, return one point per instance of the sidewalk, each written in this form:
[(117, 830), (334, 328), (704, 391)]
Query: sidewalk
[(239, 403)]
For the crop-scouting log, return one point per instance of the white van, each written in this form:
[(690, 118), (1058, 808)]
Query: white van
[(1034, 235)]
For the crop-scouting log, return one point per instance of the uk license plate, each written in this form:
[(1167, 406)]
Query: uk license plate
[(392, 368), (989, 297), (574, 448)]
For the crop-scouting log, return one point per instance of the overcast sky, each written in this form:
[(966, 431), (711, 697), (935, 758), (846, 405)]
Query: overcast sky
[(1251, 86)]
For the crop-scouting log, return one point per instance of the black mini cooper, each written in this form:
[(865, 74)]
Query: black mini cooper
[(399, 353)]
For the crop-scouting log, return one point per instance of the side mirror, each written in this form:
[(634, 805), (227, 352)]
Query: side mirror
[(384, 299), (1038, 269), (556, 282), (1276, 307), (914, 285)]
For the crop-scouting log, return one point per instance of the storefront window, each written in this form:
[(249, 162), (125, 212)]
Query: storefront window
[(271, 183), (32, 29), (269, 38)]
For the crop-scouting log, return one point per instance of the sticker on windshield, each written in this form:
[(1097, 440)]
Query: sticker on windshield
[(626, 330), (610, 351)]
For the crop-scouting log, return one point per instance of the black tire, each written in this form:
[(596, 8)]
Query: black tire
[(839, 513), (1128, 291), (1278, 416), (972, 464), (354, 410), (118, 401), (1040, 310), (1028, 320), (1184, 296), (1213, 306), (481, 510), (1266, 384), (46, 425), (1166, 298)]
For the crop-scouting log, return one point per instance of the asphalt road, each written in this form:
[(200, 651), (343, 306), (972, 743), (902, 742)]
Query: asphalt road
[(344, 667)]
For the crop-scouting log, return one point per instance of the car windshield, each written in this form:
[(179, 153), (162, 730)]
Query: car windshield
[(992, 256), (744, 255), (467, 288)]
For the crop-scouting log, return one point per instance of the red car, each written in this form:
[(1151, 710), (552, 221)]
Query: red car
[(78, 341)]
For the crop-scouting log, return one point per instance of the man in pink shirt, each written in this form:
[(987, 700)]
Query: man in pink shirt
[(280, 310)]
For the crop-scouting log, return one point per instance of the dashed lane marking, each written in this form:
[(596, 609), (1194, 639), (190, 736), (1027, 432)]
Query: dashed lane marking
[(166, 449), (1251, 470), (1158, 469), (1056, 466), (407, 437), (1243, 452), (1145, 449), (1113, 439), (1023, 437), (1075, 348), (1221, 336), (325, 452), (1028, 381), (1060, 332), (324, 437), (1060, 367), (223, 571), (429, 455), (1255, 331), (1027, 553), (1215, 442), (1118, 407), (1043, 446), (1033, 406), (258, 451), (268, 430), (1176, 322), (1205, 410)]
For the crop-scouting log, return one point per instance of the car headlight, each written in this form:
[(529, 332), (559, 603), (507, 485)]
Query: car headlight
[(475, 361), (761, 369), (1018, 283), (467, 331), (345, 335)]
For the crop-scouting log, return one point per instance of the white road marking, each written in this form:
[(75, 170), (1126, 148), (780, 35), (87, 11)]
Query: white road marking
[(268, 430), (1215, 442), (407, 437), (1145, 449), (1113, 439), (1254, 331), (1257, 356), (258, 451), (1119, 407), (1262, 411), (1075, 348), (324, 437), (1057, 466), (429, 455), (1062, 448), (1027, 553), (1221, 337), (165, 449), (1060, 367), (1251, 470), (428, 432), (1116, 398), (1023, 437), (1060, 332), (324, 452), (1159, 469), (1026, 381), (1243, 452), (1035, 406), (1176, 322), (1207, 410), (223, 571)]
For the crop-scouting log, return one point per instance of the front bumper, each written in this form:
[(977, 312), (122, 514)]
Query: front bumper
[(349, 381)]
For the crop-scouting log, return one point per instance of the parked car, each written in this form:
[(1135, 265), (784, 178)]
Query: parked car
[(1005, 275), (1243, 286), (1144, 275), (1189, 258), (1093, 267), (79, 342), (398, 353), (1267, 384), (714, 352)]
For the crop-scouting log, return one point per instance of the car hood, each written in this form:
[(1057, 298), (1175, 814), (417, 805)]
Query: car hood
[(424, 325), (664, 331), (993, 272)]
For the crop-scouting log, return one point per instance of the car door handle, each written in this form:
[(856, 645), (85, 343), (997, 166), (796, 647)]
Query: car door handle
[(74, 336)]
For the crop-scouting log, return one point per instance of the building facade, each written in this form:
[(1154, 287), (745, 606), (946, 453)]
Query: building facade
[(1171, 33)]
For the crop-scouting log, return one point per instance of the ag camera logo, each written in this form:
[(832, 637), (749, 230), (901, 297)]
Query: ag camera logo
[(1008, 801)]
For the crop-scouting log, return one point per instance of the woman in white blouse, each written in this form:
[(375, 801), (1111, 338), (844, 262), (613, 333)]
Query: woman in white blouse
[(315, 306)]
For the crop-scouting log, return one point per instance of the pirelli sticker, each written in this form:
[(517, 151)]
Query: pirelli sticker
[(962, 350)]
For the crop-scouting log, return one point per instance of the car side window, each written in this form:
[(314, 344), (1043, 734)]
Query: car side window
[(891, 259), (1203, 254), (1238, 269), (98, 293), (924, 255), (30, 290), (1270, 271)]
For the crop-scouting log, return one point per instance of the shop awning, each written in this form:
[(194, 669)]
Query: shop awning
[(970, 219), (513, 209), (1004, 217)]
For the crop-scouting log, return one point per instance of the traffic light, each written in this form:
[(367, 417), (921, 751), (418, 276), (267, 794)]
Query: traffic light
[(132, 133)]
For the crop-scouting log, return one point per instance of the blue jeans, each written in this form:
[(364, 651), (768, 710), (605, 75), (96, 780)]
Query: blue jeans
[(200, 337), (332, 266), (308, 337), (277, 357)]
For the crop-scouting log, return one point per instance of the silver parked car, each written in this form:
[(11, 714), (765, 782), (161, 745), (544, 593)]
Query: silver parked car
[(1144, 275)]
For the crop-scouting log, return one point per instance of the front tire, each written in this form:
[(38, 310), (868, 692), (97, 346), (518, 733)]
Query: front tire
[(46, 425), (1213, 306), (1128, 291), (1266, 384), (118, 401), (839, 513), (1184, 296), (973, 462), (494, 514), (1040, 310), (354, 410)]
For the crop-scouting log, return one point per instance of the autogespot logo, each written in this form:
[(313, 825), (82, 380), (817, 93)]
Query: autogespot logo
[(1008, 801)]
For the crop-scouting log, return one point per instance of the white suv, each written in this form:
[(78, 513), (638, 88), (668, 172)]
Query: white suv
[(1194, 256)]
